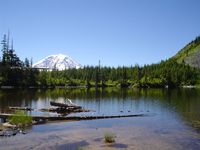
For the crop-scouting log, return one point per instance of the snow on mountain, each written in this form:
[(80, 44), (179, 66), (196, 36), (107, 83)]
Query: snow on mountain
[(59, 62)]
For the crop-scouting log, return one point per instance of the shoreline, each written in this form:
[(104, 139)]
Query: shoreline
[(85, 87)]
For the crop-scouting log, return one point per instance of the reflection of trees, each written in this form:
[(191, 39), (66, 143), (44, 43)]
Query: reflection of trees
[(12, 97), (185, 101)]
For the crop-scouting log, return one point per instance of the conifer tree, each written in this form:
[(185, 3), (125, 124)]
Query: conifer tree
[(9, 58)]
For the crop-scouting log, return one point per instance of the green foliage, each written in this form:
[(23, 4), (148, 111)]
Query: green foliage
[(9, 58), (109, 137), (190, 54), (172, 73), (20, 119), (168, 73)]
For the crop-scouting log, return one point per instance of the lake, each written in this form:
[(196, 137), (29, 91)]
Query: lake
[(171, 121)]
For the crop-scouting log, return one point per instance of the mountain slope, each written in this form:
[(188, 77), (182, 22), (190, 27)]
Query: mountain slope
[(59, 62), (190, 54)]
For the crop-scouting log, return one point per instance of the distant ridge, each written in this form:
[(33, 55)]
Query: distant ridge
[(58, 62)]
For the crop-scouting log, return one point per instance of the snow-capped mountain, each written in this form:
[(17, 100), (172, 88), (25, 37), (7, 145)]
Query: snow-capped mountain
[(59, 62)]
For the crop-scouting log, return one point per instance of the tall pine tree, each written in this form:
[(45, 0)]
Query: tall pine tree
[(9, 58)]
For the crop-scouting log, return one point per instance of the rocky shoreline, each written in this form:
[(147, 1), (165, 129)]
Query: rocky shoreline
[(7, 130)]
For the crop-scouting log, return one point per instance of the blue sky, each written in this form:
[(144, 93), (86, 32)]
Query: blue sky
[(117, 32)]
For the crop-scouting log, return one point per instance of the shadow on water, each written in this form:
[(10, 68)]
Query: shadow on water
[(117, 145), (72, 146), (98, 139)]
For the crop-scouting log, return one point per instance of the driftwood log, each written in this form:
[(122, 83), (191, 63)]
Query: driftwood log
[(61, 108), (21, 108), (75, 118), (65, 109), (64, 105)]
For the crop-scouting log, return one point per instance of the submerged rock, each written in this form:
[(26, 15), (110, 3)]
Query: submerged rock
[(1, 133), (24, 132), (8, 125), (8, 132)]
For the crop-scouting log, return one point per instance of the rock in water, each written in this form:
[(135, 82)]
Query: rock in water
[(8, 125)]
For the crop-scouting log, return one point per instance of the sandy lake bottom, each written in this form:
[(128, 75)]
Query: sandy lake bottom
[(140, 133)]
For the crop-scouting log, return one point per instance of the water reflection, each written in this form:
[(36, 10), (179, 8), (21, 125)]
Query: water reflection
[(163, 102)]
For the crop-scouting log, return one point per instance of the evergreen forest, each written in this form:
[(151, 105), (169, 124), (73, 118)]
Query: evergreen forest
[(169, 73)]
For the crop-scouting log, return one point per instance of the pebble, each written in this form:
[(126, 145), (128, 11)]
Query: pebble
[(24, 132)]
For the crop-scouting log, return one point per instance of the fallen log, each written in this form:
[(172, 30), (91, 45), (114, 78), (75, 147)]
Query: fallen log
[(21, 108), (64, 105), (65, 111), (75, 118)]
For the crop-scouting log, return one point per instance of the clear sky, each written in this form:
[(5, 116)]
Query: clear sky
[(117, 32)]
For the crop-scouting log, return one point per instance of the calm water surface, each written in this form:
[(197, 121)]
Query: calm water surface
[(172, 120)]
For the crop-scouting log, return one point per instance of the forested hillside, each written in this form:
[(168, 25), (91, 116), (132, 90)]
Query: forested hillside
[(190, 54), (173, 72)]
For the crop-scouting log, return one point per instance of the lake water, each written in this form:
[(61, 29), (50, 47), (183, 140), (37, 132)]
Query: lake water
[(171, 121)]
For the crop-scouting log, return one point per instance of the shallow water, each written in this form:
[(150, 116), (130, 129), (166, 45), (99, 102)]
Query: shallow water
[(168, 124)]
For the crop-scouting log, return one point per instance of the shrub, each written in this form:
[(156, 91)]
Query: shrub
[(109, 137), (20, 119)]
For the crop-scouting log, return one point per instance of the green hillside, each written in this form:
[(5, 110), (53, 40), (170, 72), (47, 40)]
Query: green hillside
[(190, 54)]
